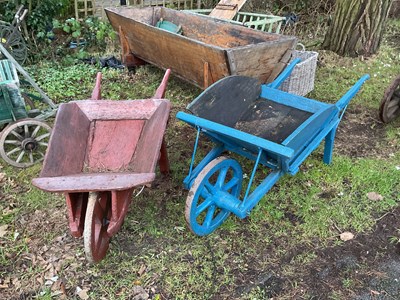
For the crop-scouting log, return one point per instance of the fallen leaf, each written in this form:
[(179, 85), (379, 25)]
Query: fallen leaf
[(82, 293), (3, 230), (2, 176), (374, 196), (142, 270), (375, 292), (346, 236)]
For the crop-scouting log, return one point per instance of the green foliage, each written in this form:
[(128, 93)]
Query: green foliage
[(92, 32), (40, 15)]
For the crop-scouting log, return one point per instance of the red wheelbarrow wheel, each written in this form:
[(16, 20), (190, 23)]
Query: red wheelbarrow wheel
[(390, 104), (95, 237)]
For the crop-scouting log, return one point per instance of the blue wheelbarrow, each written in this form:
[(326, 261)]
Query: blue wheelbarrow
[(275, 129)]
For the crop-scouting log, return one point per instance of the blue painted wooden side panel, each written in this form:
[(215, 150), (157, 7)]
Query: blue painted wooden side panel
[(310, 128), (241, 137), (291, 100)]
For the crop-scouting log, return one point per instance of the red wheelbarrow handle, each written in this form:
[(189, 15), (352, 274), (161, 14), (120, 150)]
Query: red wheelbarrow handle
[(96, 94), (160, 92)]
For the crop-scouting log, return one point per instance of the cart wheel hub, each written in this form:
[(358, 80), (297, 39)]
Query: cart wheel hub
[(29, 144)]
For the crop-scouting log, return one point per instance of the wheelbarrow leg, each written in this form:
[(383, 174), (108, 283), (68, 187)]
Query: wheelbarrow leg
[(329, 142), (76, 204), (163, 161)]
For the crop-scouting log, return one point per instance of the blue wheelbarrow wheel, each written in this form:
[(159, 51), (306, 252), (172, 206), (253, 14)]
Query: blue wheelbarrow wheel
[(202, 215)]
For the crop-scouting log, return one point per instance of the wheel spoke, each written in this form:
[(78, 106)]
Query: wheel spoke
[(203, 206), (205, 194), (31, 157), (12, 142), (393, 103), (26, 130), (209, 187), (13, 151), (99, 212), (234, 181), (35, 131), (17, 135), (20, 156), (391, 111), (43, 136), (43, 144), (209, 216), (221, 177)]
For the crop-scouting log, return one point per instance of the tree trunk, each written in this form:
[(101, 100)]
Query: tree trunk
[(357, 27)]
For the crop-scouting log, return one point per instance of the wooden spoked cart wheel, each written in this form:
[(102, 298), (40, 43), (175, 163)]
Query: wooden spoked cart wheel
[(13, 42), (221, 175), (390, 104), (24, 142), (98, 215)]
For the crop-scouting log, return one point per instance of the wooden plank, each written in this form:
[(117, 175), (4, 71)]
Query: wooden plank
[(149, 145), (67, 146), (227, 9), (112, 144), (93, 182), (264, 58), (46, 99), (118, 110)]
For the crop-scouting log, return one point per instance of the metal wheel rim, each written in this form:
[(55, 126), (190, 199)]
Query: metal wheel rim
[(390, 105), (24, 143), (14, 43), (95, 237), (214, 216)]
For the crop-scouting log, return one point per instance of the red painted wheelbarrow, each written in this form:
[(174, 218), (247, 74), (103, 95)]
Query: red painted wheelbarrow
[(99, 151)]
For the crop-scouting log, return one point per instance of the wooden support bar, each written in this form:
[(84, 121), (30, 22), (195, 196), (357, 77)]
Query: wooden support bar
[(46, 99)]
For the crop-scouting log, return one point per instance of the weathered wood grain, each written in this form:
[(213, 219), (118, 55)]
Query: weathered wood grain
[(112, 144), (67, 146), (227, 9), (148, 148), (204, 40), (93, 182)]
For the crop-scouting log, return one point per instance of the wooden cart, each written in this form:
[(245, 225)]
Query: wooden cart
[(275, 129), (204, 50), (100, 150)]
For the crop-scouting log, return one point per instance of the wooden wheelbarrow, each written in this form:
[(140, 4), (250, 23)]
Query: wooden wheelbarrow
[(275, 129), (99, 151)]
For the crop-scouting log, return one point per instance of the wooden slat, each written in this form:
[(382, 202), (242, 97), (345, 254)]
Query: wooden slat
[(93, 182), (67, 146), (149, 145), (227, 9), (263, 62), (112, 144)]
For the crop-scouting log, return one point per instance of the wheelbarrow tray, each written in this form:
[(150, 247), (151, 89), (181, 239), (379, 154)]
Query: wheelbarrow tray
[(208, 48), (245, 117), (104, 145)]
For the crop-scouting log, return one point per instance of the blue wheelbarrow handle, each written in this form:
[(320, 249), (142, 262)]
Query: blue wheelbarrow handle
[(344, 101), (284, 74)]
